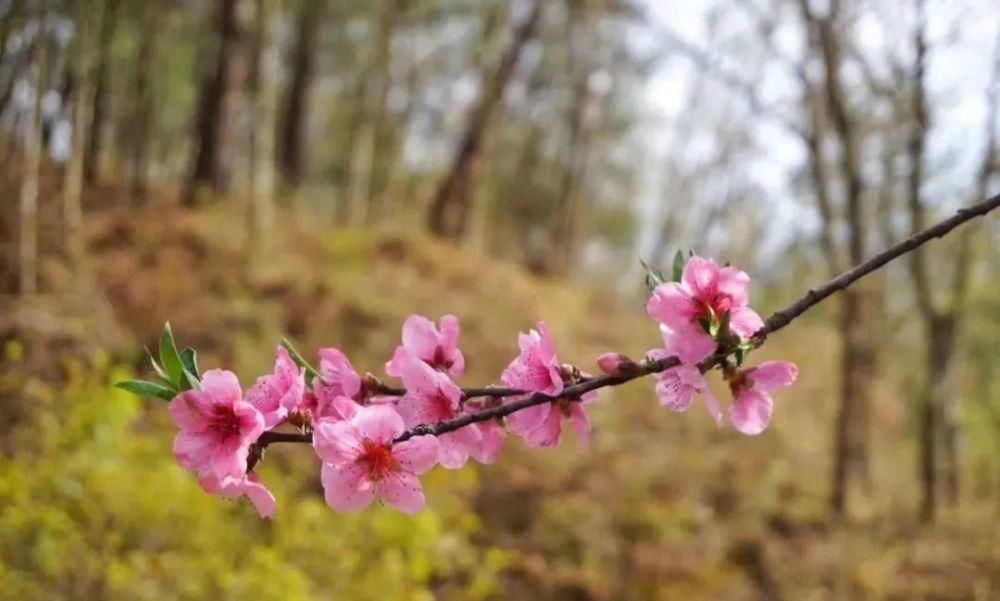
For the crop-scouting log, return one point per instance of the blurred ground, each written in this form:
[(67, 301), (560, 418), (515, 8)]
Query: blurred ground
[(661, 506)]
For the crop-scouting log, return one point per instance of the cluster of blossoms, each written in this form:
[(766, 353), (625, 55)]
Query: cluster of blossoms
[(372, 439)]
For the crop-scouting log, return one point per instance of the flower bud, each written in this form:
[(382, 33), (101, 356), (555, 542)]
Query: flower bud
[(616, 364)]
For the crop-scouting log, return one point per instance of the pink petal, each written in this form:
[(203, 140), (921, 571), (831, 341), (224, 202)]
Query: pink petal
[(672, 305), (735, 284), (700, 276), (421, 380), (347, 487), (189, 410), (689, 343), (222, 386), (192, 450), (580, 423), (341, 377), (379, 423), (524, 421), (402, 490), (337, 442), (456, 446), (549, 432), (772, 375), (745, 322), (228, 459), (260, 496), (751, 411), (420, 336), (674, 388), (250, 419), (417, 454), (492, 440), (546, 345), (712, 404)]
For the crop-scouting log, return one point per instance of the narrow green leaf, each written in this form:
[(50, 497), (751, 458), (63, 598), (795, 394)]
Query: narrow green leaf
[(169, 358), (706, 324), (189, 359), (294, 354), (653, 277), (156, 366), (191, 381), (723, 332), (147, 389), (678, 268)]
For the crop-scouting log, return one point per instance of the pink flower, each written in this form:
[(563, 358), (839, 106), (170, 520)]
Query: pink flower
[(704, 292), (216, 426), (677, 386), (489, 447), (338, 379), (536, 369), (431, 397), (249, 485), (541, 425), (278, 394), (361, 463), (752, 409), (438, 348)]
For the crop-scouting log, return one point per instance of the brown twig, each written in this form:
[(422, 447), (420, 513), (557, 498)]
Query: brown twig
[(775, 322)]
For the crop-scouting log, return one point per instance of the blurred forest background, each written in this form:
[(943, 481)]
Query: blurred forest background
[(320, 169)]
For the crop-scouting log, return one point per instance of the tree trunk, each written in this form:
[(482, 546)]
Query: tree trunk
[(263, 101), (75, 172), (449, 210), (143, 110), (220, 94), (28, 240), (292, 153), (101, 93)]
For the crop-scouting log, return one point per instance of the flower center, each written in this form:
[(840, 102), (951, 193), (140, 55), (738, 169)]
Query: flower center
[(378, 458), (224, 422), (440, 362)]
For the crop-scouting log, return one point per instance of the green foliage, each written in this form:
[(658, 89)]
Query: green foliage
[(102, 511)]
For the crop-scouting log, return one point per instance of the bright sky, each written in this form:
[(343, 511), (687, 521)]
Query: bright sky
[(962, 34)]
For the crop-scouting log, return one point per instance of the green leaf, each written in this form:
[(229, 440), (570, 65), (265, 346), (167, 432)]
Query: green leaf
[(653, 277), (189, 359), (156, 366), (147, 389), (294, 354), (679, 262), (706, 324), (169, 358)]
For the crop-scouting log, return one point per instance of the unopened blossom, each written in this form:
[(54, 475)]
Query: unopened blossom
[(751, 410), (705, 293), (430, 397), (676, 387), (248, 485), (216, 426), (616, 364), (361, 463), (438, 347), (537, 370), (280, 393)]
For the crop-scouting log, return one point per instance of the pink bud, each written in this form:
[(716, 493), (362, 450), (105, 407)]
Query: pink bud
[(616, 364)]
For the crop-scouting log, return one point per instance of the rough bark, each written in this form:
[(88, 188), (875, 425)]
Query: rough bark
[(220, 93), (449, 211)]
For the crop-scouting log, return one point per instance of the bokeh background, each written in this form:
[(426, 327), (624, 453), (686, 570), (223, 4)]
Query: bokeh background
[(320, 169)]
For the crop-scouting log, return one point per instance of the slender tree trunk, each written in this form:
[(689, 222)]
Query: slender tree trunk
[(449, 210), (73, 185), (28, 240), (292, 154), (101, 92), (220, 94), (263, 100), (143, 110), (578, 124)]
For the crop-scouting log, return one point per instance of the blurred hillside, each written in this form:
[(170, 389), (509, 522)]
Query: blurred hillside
[(660, 506), (321, 169)]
